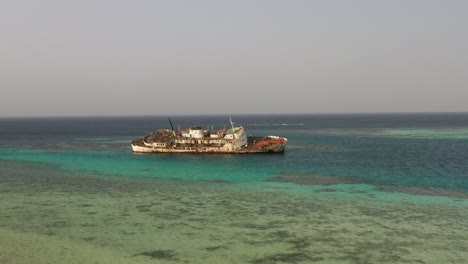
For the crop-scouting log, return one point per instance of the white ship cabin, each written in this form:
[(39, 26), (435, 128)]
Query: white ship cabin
[(195, 132), (234, 133), (238, 137)]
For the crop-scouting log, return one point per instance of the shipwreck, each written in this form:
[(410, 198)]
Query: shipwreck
[(199, 140)]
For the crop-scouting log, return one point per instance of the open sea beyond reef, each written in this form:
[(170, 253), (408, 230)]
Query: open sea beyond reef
[(383, 188)]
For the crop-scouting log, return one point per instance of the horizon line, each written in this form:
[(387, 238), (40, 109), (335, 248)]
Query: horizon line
[(229, 114)]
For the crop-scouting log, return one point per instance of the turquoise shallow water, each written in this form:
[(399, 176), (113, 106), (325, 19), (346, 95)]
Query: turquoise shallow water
[(406, 151), (191, 167), (246, 174)]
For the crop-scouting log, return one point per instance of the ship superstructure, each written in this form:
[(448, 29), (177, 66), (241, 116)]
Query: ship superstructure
[(199, 140)]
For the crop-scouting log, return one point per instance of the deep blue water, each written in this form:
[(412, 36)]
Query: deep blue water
[(413, 150)]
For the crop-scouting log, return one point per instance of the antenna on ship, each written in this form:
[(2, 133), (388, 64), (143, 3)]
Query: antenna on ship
[(232, 123), (170, 122)]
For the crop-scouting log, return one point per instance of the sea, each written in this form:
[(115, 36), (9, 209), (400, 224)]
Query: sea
[(350, 188)]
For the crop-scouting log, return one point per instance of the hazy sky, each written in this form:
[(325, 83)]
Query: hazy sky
[(92, 57)]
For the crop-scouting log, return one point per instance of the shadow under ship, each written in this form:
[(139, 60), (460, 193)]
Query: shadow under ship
[(198, 140)]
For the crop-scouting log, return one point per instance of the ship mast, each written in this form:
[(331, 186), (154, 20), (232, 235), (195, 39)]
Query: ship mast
[(173, 131)]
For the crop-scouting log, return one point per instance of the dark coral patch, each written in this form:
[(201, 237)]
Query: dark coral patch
[(159, 254), (295, 257)]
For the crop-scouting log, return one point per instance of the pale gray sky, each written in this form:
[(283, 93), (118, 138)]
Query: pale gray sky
[(115, 57)]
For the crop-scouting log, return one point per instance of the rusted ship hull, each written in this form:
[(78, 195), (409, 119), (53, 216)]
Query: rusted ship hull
[(269, 144)]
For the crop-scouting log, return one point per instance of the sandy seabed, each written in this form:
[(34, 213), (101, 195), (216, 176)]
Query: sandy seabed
[(57, 218)]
